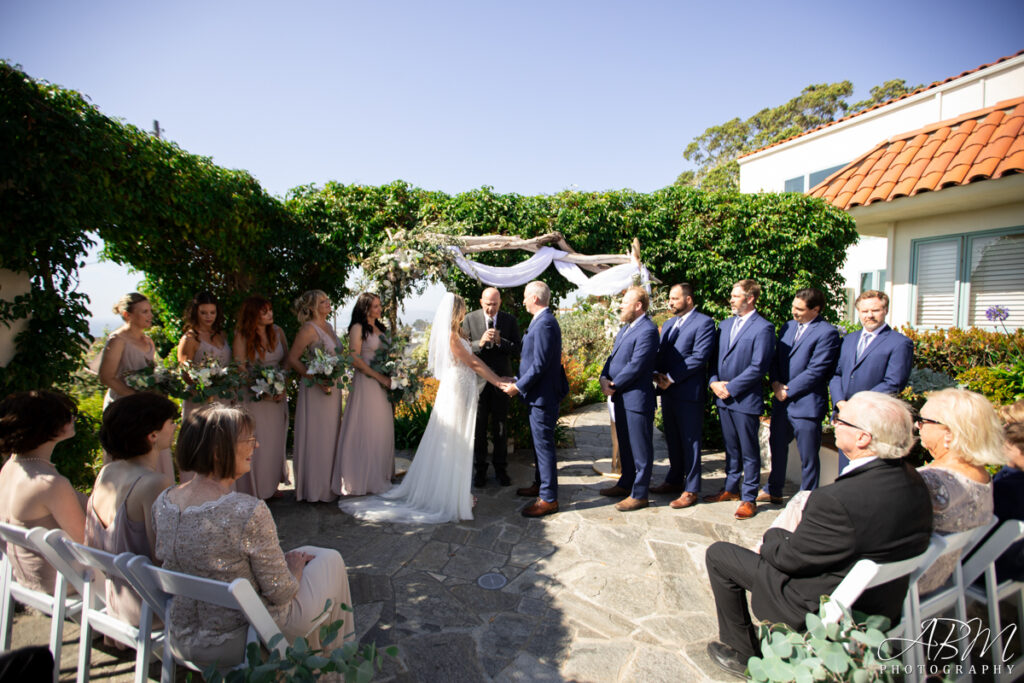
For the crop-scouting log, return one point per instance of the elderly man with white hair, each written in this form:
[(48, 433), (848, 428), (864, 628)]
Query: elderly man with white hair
[(878, 509)]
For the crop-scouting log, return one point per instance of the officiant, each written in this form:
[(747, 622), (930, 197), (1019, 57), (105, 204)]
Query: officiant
[(495, 338)]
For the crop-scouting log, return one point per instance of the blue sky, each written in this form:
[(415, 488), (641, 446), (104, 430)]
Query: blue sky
[(527, 97)]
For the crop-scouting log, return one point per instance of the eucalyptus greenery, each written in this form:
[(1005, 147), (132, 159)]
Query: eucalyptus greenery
[(847, 650), (357, 663)]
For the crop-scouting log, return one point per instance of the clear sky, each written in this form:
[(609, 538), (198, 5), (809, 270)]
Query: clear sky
[(527, 97)]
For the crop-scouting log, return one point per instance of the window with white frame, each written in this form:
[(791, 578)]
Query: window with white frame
[(959, 279)]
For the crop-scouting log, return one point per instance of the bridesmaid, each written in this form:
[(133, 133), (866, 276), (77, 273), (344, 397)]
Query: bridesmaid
[(318, 413), (365, 458), (128, 350), (203, 339), (260, 343)]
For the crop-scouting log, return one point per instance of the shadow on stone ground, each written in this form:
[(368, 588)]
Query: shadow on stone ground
[(589, 594)]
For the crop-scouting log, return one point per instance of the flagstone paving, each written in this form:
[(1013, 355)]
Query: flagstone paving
[(591, 594)]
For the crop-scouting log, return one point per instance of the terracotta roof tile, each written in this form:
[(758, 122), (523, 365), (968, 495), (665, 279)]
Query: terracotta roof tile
[(978, 145), (887, 102)]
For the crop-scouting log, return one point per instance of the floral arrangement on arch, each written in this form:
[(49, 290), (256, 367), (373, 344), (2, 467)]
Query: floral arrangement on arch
[(406, 262)]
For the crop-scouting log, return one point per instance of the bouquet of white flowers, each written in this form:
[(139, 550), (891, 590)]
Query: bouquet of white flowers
[(323, 367), (155, 378), (210, 379), (268, 382), (394, 359)]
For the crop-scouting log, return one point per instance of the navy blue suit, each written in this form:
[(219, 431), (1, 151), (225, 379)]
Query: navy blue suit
[(743, 366), (631, 368), (542, 385), (806, 368), (684, 354), (884, 367)]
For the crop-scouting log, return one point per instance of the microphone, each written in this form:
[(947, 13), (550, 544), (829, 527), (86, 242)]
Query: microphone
[(490, 326)]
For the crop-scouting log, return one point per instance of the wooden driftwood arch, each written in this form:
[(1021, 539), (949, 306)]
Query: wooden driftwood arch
[(475, 244)]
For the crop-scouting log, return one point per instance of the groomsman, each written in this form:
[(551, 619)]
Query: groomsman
[(687, 343), (746, 345), (495, 338), (874, 358), (805, 359), (626, 380)]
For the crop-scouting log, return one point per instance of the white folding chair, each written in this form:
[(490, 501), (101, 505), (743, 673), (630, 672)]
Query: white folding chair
[(941, 599), (982, 564), (157, 586), (96, 567), (57, 605)]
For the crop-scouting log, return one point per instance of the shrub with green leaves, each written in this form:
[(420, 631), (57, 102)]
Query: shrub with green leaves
[(852, 649)]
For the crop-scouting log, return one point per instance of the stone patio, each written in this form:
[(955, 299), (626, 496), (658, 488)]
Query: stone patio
[(590, 594)]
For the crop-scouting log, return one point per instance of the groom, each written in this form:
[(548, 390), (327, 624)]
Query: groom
[(543, 387)]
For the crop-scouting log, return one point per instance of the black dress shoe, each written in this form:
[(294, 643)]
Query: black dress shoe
[(727, 659), (503, 478)]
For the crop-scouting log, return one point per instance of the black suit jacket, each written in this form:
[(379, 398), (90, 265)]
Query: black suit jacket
[(498, 357), (881, 511)]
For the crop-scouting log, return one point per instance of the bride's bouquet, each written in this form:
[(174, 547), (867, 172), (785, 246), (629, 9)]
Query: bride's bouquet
[(155, 378), (268, 382), (211, 380), (394, 359), (324, 368)]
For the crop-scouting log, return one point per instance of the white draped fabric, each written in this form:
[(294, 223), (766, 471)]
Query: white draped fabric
[(606, 283)]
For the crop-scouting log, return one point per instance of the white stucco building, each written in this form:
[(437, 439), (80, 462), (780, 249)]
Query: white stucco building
[(935, 183)]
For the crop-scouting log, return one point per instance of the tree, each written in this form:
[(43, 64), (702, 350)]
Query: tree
[(714, 152)]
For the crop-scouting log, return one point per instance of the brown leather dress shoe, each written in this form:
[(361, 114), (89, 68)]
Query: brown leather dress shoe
[(631, 504), (765, 497), (614, 492), (686, 500), (540, 508), (667, 488), (529, 491), (721, 497), (746, 510)]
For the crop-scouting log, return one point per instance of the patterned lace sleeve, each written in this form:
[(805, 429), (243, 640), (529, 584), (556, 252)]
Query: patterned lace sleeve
[(261, 545)]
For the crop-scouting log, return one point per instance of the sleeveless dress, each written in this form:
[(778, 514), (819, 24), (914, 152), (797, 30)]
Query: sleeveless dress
[(317, 419), (31, 569), (365, 459), (132, 360), (123, 535), (222, 354), (270, 420), (437, 487)]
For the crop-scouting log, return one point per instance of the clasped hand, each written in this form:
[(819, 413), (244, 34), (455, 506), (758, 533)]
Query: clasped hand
[(491, 336), (719, 389), (661, 380), (508, 385), (607, 386)]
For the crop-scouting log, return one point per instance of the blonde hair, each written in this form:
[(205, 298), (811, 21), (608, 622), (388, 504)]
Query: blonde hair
[(887, 419), (1012, 413), (642, 296), (305, 305), (458, 315), (976, 436), (127, 302)]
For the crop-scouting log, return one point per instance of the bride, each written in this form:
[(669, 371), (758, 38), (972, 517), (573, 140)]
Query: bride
[(436, 489)]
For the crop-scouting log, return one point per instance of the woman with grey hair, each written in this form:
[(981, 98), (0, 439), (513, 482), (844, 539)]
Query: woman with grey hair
[(962, 433)]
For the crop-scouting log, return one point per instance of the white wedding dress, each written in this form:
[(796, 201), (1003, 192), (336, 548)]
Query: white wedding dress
[(436, 488)]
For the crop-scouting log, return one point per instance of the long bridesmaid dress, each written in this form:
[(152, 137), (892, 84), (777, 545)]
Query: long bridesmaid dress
[(270, 419), (365, 458), (132, 360), (317, 419)]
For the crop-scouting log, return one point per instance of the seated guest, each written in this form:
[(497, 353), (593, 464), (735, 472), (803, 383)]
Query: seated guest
[(119, 515), (32, 492), (961, 432), (206, 529), (1008, 499), (1012, 413), (878, 509)]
